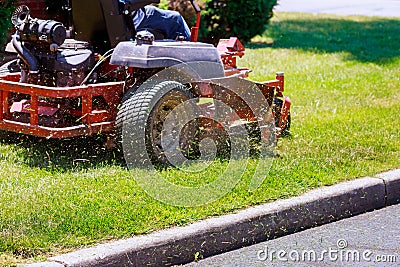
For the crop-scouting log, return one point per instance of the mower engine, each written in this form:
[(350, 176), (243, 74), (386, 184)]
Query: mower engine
[(47, 57)]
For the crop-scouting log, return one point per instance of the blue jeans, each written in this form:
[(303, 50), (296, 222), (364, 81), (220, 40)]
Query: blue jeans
[(170, 23)]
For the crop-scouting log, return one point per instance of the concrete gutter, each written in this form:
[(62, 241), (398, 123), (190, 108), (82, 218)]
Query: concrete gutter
[(213, 236)]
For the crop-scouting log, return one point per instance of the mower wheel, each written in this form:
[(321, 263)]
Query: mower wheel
[(130, 92), (10, 67), (277, 107), (140, 124)]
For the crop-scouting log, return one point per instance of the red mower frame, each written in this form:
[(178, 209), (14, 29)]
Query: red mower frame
[(94, 120)]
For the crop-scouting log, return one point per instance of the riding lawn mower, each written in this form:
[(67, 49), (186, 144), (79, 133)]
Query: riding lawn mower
[(97, 75)]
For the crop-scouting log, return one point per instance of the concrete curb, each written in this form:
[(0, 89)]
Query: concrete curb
[(392, 184), (179, 245)]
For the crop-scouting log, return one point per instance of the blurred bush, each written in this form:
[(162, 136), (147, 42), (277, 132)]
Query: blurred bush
[(6, 8), (240, 18), (225, 18)]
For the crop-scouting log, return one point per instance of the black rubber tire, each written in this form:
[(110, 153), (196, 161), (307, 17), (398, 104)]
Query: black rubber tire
[(10, 67), (139, 115), (130, 92)]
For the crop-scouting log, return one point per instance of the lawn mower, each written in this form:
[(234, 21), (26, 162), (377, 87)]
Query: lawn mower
[(98, 76)]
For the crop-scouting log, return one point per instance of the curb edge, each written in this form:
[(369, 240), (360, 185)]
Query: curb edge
[(178, 245)]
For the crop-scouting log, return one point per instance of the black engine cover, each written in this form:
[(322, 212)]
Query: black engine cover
[(67, 66), (71, 56)]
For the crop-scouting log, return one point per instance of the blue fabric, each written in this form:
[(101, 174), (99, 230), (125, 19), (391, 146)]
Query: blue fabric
[(170, 23)]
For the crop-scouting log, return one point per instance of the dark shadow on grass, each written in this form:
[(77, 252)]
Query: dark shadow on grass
[(63, 154), (375, 40), (81, 153)]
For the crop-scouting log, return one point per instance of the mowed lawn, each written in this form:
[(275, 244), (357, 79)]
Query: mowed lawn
[(343, 77)]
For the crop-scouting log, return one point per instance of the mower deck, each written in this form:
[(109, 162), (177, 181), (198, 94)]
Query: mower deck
[(37, 116)]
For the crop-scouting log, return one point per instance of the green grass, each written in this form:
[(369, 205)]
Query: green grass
[(342, 74)]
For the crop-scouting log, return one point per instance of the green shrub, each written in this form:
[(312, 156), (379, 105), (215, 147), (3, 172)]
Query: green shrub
[(239, 18), (5, 22)]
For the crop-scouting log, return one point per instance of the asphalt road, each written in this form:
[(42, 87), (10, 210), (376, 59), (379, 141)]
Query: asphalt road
[(370, 239), (386, 8)]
